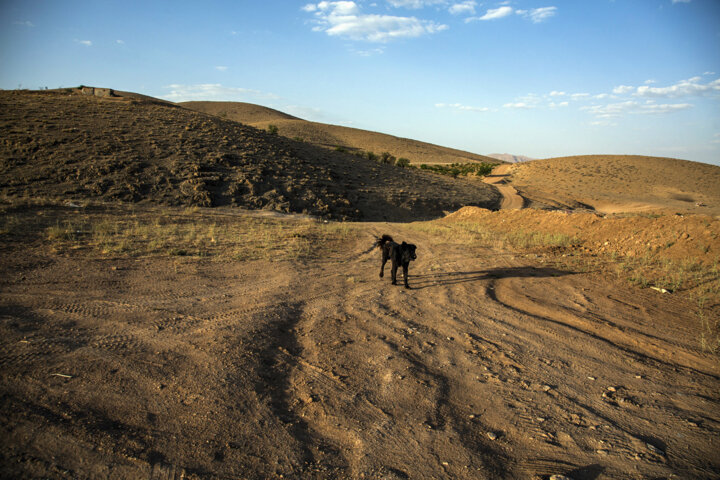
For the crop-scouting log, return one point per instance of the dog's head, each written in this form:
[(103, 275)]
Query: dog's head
[(408, 251)]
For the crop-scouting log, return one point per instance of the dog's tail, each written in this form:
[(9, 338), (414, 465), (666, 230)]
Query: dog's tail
[(382, 241)]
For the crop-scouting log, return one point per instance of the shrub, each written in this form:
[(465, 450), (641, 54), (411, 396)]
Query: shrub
[(371, 156), (387, 158), (402, 162), (273, 129)]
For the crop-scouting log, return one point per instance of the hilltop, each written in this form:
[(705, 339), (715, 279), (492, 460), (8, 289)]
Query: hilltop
[(334, 136), (619, 183), (114, 146)]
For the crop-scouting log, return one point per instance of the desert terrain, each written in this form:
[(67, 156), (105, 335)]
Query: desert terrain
[(620, 183), (159, 322), (335, 136)]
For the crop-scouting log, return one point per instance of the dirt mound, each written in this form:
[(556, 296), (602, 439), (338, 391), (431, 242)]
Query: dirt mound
[(334, 136), (620, 183), (131, 148), (679, 253)]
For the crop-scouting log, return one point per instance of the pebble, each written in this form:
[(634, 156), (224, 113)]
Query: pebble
[(492, 436), (559, 477), (591, 378), (546, 388), (612, 389)]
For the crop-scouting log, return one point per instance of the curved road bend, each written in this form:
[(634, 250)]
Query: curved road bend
[(511, 200)]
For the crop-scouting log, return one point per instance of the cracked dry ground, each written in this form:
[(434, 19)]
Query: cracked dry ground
[(490, 367)]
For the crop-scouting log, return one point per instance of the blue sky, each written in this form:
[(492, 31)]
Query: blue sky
[(540, 78)]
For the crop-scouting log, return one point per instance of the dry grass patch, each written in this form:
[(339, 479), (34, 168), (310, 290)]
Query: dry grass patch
[(167, 232)]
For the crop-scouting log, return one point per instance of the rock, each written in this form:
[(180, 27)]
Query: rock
[(654, 449), (559, 477), (492, 436)]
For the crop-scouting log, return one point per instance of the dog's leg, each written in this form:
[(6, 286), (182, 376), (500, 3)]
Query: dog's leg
[(384, 261), (405, 274), (393, 272)]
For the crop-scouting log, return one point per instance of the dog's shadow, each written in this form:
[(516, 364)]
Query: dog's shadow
[(438, 279)]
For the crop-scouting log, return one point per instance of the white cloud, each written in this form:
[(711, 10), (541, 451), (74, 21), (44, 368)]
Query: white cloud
[(615, 110), (681, 1), (464, 8), (213, 91), (684, 88), (415, 4), (519, 105), (370, 52), (538, 15), (555, 93), (662, 109), (579, 96), (495, 13), (622, 89), (558, 105), (603, 123), (120, 42), (25, 24), (344, 19), (462, 108), (221, 68), (87, 43), (310, 7)]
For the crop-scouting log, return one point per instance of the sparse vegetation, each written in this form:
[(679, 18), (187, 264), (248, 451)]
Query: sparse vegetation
[(387, 158), (273, 129), (170, 232), (460, 169), (402, 162)]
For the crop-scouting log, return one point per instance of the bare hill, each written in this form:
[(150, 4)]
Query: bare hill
[(130, 148), (620, 183), (334, 136)]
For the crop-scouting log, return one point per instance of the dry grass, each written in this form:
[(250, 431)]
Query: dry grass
[(173, 232)]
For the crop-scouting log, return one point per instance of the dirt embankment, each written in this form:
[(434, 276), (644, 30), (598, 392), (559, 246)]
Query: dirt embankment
[(62, 144), (495, 365)]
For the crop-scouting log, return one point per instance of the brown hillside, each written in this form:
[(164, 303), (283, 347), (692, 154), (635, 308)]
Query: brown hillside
[(620, 183), (332, 136), (63, 144)]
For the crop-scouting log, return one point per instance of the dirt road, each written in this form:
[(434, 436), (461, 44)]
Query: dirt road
[(511, 200), (492, 366)]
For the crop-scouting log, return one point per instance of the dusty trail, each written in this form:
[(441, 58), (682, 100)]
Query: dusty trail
[(511, 200), (490, 367)]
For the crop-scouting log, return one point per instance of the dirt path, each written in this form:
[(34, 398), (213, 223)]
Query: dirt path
[(492, 366), (511, 200)]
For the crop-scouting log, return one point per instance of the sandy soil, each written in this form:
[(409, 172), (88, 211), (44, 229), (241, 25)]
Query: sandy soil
[(494, 365), (620, 183), (511, 200)]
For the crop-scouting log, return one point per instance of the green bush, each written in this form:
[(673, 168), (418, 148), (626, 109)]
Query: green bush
[(387, 158), (460, 169), (273, 129), (402, 162)]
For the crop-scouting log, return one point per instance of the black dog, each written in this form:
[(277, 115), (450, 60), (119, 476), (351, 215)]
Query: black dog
[(399, 254)]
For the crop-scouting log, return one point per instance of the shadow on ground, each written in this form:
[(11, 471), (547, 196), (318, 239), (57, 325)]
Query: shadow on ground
[(438, 279)]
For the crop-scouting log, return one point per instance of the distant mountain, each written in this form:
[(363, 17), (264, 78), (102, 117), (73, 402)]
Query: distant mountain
[(507, 157)]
